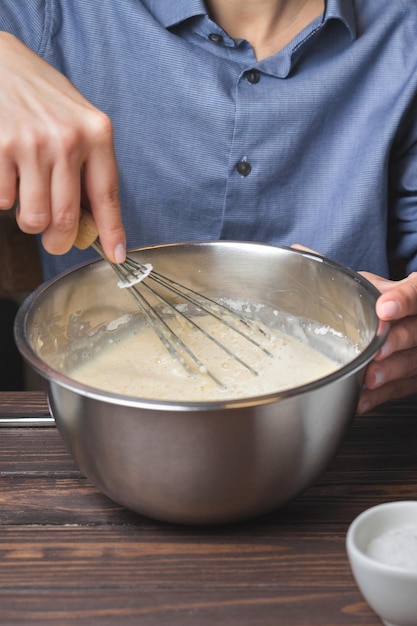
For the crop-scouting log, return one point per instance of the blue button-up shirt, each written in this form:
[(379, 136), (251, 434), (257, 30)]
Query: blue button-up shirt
[(316, 144)]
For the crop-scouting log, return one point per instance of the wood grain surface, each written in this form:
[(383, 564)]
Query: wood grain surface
[(69, 555)]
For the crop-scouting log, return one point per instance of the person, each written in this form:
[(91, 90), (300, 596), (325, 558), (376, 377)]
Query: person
[(283, 121)]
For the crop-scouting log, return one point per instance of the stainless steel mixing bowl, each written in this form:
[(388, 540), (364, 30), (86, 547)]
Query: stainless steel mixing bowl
[(207, 462)]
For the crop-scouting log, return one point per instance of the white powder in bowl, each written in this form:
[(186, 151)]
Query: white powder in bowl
[(397, 547)]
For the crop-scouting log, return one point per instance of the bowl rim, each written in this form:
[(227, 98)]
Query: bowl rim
[(49, 373), (359, 557)]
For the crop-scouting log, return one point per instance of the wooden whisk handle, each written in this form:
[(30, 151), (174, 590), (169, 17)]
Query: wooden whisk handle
[(87, 231)]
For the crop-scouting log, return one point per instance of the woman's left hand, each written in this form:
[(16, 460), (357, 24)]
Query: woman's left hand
[(393, 372)]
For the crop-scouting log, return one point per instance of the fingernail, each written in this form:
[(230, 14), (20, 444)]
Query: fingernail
[(120, 253), (389, 309), (386, 350), (363, 407), (378, 375)]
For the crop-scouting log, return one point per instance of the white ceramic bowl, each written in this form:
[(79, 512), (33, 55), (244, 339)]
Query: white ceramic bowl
[(387, 532)]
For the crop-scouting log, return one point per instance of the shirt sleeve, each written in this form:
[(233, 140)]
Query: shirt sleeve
[(28, 20), (402, 234)]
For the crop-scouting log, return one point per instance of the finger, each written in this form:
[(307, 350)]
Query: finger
[(8, 184), (400, 365), (101, 186), (33, 214), (402, 335), (391, 391), (299, 246), (65, 193)]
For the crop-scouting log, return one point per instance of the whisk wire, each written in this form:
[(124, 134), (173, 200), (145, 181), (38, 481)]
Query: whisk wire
[(132, 272), (169, 338), (191, 322), (214, 309)]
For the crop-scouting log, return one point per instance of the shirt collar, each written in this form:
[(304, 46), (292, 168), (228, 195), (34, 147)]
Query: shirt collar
[(172, 12), (344, 11), (169, 12)]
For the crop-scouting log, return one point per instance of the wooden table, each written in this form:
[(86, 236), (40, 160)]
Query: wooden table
[(68, 555)]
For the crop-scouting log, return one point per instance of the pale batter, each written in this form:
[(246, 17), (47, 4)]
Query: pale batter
[(139, 365)]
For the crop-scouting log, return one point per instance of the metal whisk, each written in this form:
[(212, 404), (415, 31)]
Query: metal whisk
[(145, 284)]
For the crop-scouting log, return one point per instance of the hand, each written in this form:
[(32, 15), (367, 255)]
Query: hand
[(393, 373), (54, 147)]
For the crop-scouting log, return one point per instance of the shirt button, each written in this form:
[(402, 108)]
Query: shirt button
[(215, 38), (253, 76), (244, 168)]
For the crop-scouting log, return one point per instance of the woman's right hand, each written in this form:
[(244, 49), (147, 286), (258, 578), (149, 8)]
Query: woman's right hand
[(55, 146)]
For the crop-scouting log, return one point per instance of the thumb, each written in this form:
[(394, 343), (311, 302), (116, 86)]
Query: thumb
[(398, 299)]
